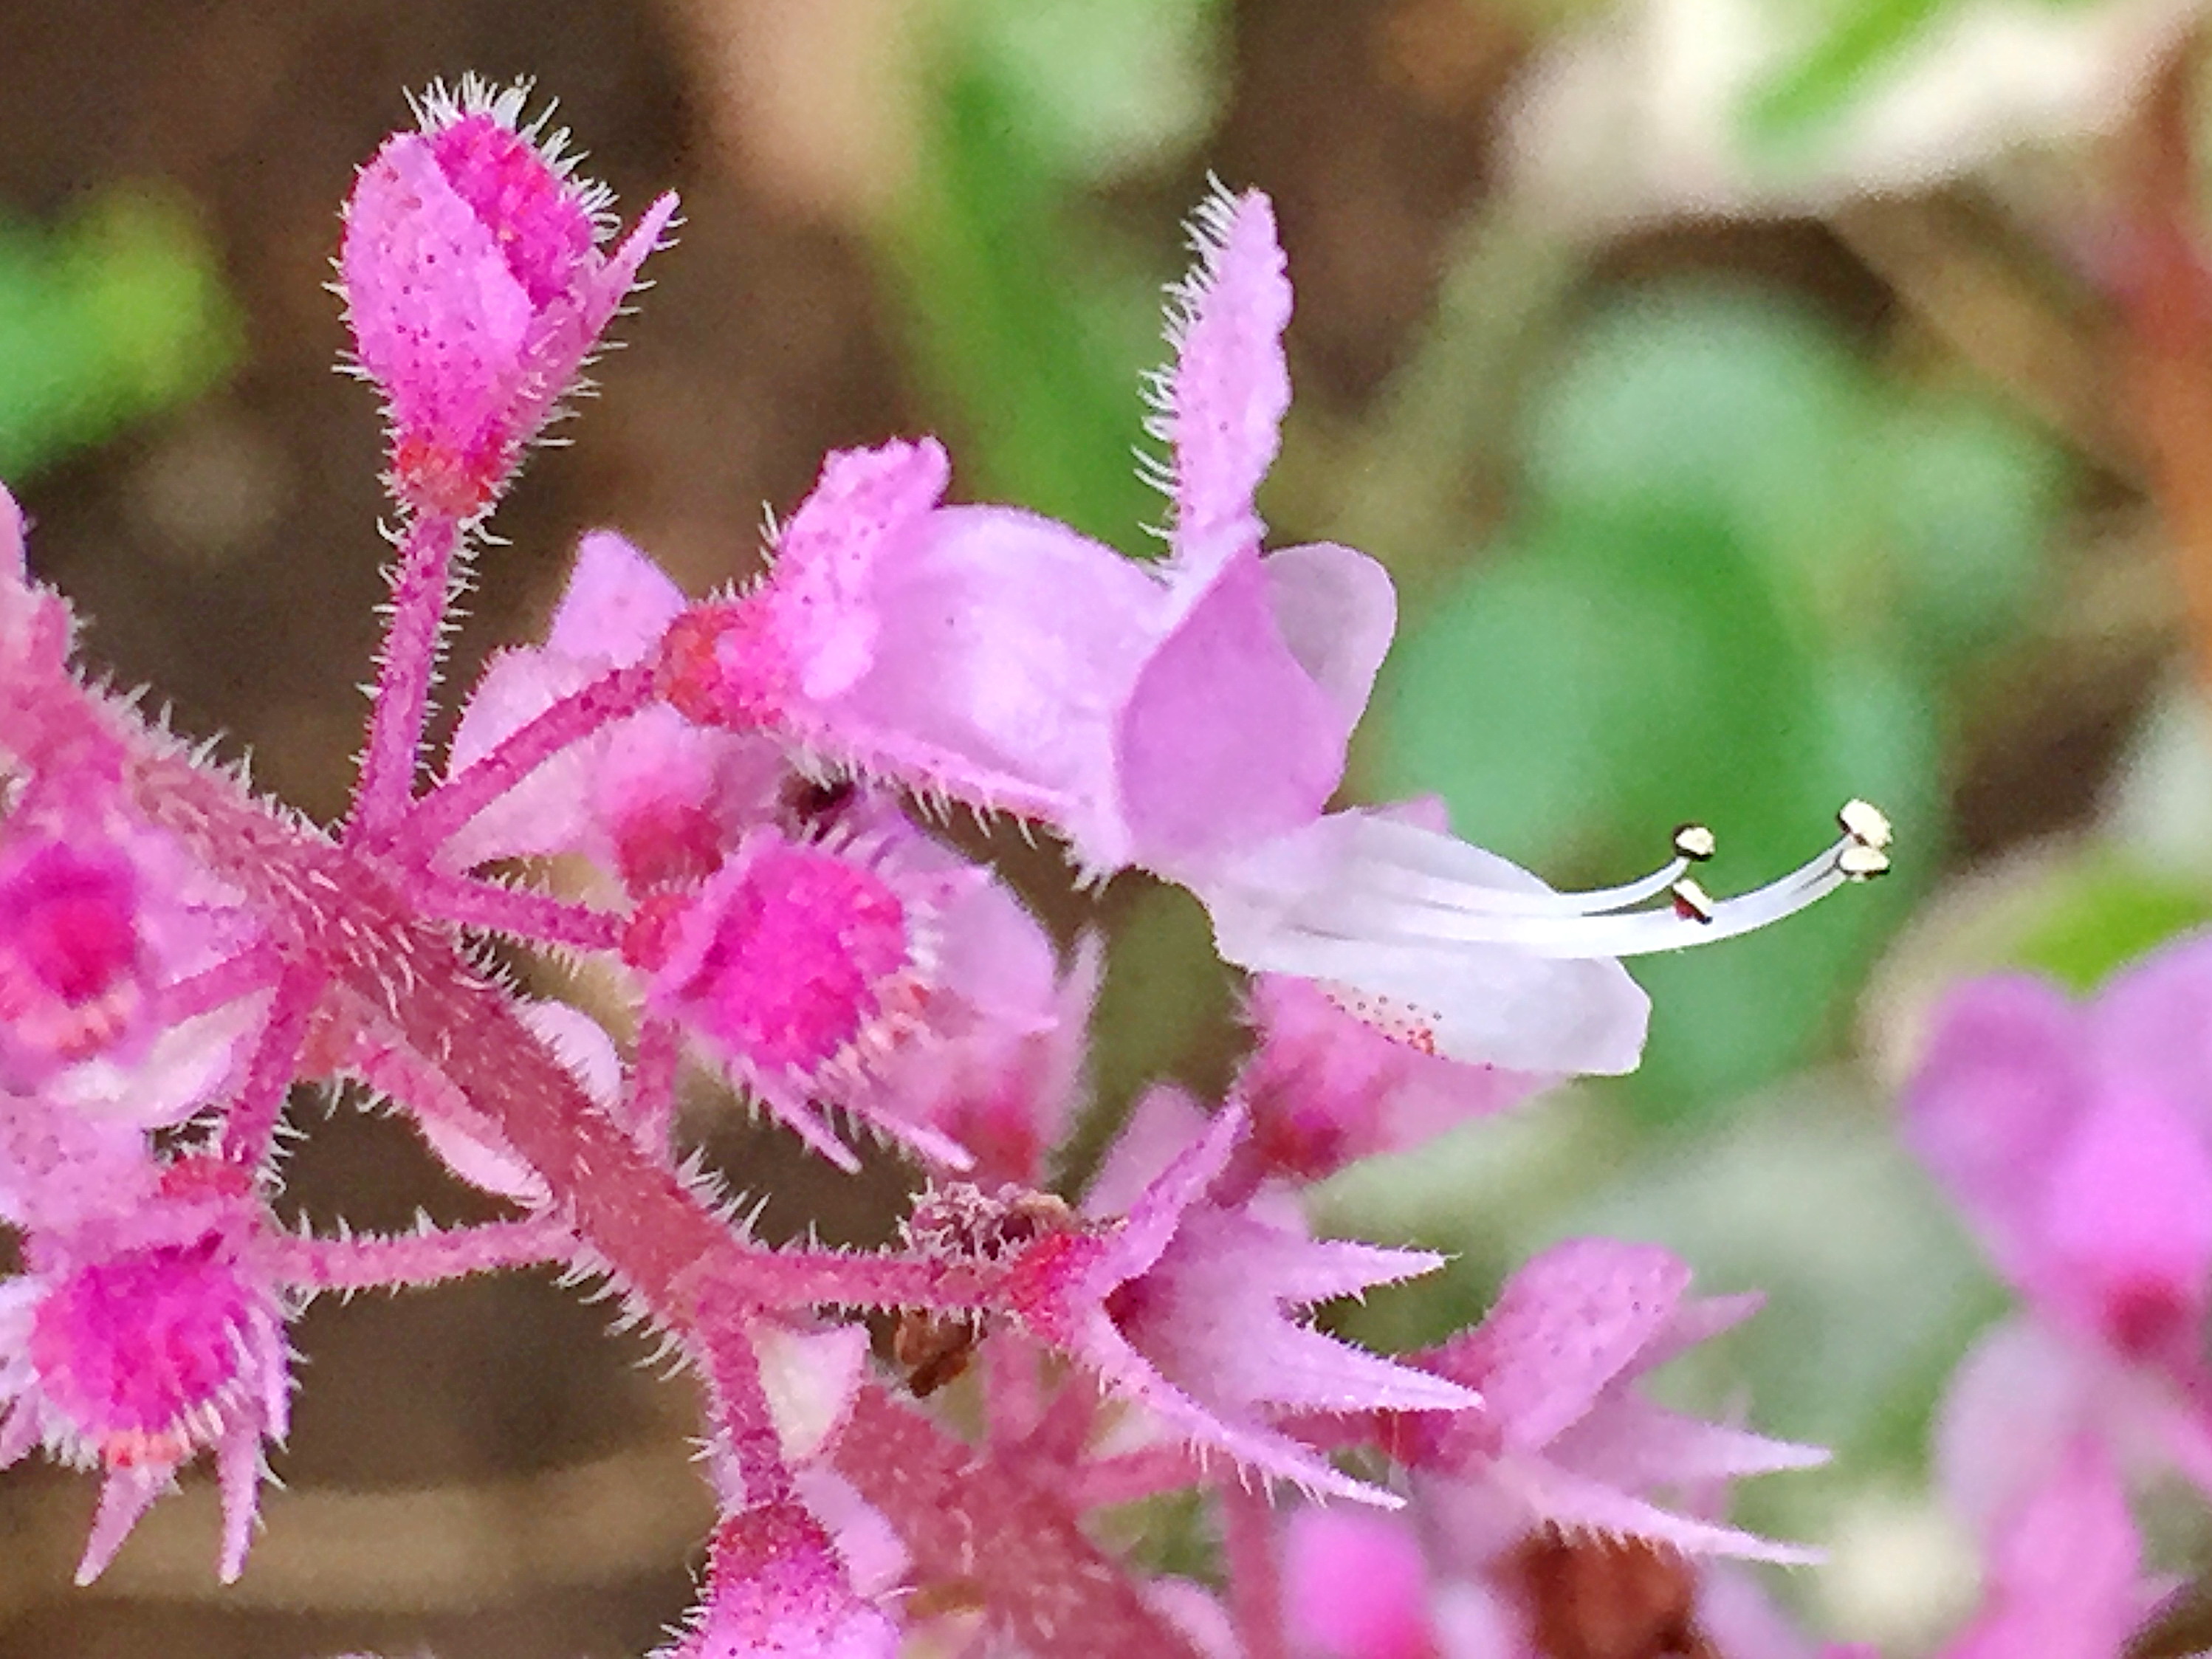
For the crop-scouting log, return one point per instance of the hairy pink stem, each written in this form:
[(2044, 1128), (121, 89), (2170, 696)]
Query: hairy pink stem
[(367, 1263), (249, 1128), (650, 1097), (441, 814), (540, 918), (421, 590), (973, 1523), (745, 1426), (227, 981), (1256, 1576), (403, 981)]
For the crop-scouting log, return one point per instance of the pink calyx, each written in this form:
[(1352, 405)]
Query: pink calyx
[(797, 960), (723, 664)]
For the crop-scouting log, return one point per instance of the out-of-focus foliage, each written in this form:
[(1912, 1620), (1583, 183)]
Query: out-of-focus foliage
[(1028, 321), (116, 314), (1745, 577)]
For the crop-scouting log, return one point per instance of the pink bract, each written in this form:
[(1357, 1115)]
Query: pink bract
[(1561, 1437)]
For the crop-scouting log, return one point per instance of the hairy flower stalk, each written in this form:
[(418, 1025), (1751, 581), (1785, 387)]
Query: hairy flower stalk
[(184, 952)]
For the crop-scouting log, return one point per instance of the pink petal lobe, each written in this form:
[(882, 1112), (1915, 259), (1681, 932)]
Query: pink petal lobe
[(1226, 740), (2129, 1226), (827, 555), (1337, 611), (2152, 1024), (1229, 386), (2065, 1578), (125, 1496), (2002, 1082), (1569, 1323)]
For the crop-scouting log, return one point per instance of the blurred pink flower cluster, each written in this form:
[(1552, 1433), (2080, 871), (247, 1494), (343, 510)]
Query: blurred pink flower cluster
[(727, 783)]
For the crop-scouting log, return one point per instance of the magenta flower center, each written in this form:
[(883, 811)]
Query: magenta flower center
[(70, 959), (806, 955), (542, 229), (129, 1348)]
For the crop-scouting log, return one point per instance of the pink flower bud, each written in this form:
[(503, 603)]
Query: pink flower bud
[(476, 288)]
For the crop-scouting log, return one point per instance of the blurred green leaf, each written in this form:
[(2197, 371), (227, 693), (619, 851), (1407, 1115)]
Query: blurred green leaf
[(1713, 401), (2103, 912), (1864, 38), (114, 316), (1035, 348), (1100, 86), (1967, 499)]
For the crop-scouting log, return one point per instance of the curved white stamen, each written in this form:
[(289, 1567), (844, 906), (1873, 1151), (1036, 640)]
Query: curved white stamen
[(1429, 873), (1384, 900)]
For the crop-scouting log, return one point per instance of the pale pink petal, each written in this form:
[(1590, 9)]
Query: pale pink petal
[(545, 813), (2065, 1578), (59, 1168), (2019, 1397), (1009, 644), (1225, 741), (837, 551), (1741, 1622), (2003, 1081), (617, 604), (1166, 1120), (1132, 1376), (1213, 1316), (1574, 1503), (2152, 1022), (1278, 909), (810, 1378), (239, 1466), (1634, 1444), (125, 1495), (1337, 611)]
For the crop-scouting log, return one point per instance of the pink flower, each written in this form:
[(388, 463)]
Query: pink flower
[(1190, 717), (651, 799), (1158, 714), (869, 969), (1183, 1308), (103, 1006), (474, 288), (2078, 1141), (1561, 1439), (139, 1339)]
